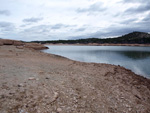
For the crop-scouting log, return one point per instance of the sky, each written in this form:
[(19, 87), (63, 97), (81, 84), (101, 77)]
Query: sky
[(30, 20)]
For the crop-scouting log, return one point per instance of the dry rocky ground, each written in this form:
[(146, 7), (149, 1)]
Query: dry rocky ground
[(35, 82), (20, 44)]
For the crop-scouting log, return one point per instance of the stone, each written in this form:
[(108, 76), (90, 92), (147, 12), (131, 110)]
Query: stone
[(35, 46), (20, 85), (55, 95), (46, 96), (46, 78), (10, 42), (31, 78), (19, 47), (59, 109), (7, 42)]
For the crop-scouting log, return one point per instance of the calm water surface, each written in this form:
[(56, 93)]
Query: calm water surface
[(135, 58)]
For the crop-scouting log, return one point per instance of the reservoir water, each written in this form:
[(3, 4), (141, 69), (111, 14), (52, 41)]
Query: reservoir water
[(136, 59)]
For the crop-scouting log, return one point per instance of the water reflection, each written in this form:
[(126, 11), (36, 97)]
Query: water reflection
[(136, 54), (130, 54), (135, 58)]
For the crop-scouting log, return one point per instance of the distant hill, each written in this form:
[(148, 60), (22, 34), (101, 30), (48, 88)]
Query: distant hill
[(131, 38), (134, 37)]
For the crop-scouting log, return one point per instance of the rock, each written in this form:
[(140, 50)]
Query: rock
[(18, 43), (7, 42), (37, 79), (46, 78), (35, 46), (19, 47), (46, 96), (11, 42), (59, 109), (85, 97), (55, 95), (21, 111), (20, 85), (53, 112), (31, 78)]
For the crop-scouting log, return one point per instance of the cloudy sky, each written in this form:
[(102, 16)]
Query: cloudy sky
[(72, 19)]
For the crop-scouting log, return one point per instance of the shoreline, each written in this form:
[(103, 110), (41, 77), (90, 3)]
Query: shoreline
[(138, 73), (59, 56), (34, 81)]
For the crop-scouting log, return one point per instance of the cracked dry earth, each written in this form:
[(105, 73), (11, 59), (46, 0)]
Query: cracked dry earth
[(36, 82)]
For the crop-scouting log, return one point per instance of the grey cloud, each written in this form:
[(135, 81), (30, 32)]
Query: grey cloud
[(117, 31), (140, 9), (128, 21), (26, 24), (45, 29), (4, 12), (23, 25), (108, 34), (143, 6), (32, 20), (147, 18), (6, 26), (112, 31), (97, 7), (59, 26), (38, 29), (78, 37), (80, 29), (132, 1), (40, 32)]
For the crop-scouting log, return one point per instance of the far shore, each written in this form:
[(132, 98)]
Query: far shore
[(95, 44)]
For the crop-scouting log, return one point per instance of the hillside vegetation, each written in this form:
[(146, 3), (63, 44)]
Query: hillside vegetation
[(131, 38)]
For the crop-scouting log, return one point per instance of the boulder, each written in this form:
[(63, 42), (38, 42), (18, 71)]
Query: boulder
[(7, 42), (16, 43), (10, 42)]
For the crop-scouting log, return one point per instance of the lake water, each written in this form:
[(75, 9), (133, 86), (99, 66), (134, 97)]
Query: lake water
[(136, 59)]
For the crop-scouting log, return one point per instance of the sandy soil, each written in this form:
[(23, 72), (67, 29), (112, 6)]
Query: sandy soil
[(36, 82)]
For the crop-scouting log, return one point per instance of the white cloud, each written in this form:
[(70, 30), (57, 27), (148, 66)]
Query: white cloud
[(65, 19)]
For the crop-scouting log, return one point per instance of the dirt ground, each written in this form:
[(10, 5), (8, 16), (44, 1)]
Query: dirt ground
[(35, 82)]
